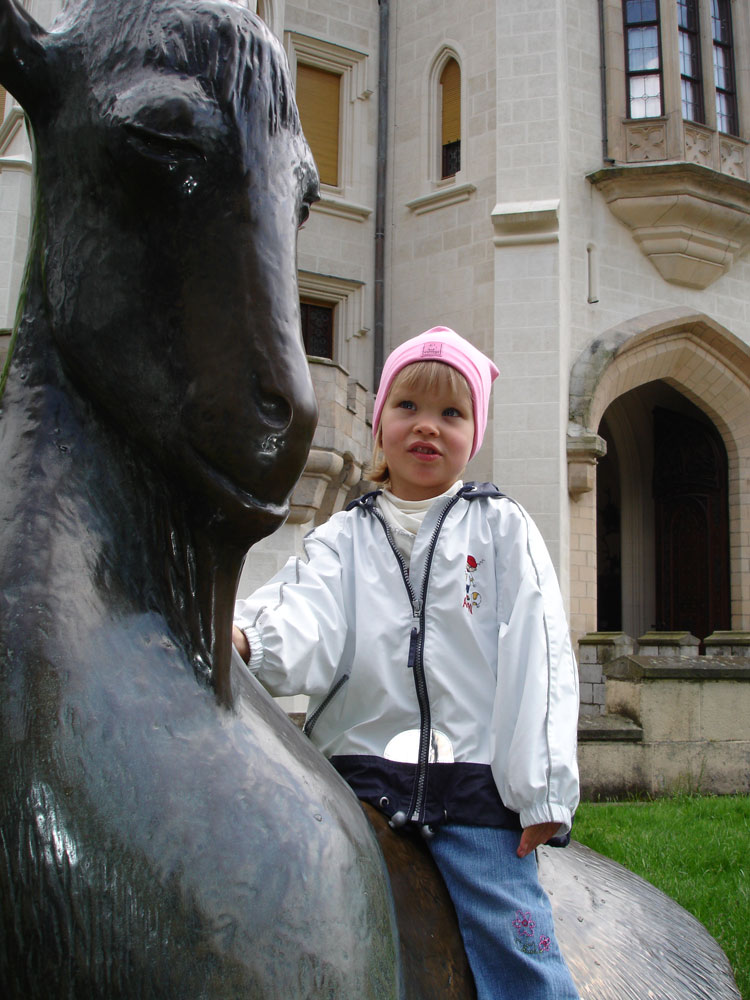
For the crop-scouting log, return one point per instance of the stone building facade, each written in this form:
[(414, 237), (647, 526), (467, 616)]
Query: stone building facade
[(590, 234)]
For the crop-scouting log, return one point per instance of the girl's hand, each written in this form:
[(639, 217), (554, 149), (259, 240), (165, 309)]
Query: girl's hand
[(240, 643), (534, 836)]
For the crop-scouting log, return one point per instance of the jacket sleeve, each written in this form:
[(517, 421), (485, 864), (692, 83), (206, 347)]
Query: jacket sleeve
[(535, 715), (296, 624)]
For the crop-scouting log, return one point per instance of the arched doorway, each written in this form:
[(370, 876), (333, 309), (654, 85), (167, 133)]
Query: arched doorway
[(700, 369), (662, 516)]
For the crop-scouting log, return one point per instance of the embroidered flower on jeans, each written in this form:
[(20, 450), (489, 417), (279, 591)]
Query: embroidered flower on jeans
[(523, 923), (544, 943)]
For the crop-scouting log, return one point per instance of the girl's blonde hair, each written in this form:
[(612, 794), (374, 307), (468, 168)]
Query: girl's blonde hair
[(427, 376)]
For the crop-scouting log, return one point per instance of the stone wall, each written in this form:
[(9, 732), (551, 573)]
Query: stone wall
[(675, 721)]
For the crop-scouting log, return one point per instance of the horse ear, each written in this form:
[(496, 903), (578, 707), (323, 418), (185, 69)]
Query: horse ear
[(23, 57)]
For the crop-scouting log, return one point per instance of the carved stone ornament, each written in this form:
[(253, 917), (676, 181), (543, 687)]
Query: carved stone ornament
[(646, 142), (732, 155), (698, 145)]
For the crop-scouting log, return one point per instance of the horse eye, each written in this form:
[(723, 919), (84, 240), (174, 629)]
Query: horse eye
[(161, 147)]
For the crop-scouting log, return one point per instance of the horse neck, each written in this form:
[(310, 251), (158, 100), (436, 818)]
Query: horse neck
[(83, 508)]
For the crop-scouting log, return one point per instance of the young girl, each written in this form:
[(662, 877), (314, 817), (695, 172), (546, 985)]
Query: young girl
[(427, 626)]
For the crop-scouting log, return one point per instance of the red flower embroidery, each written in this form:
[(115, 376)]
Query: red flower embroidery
[(524, 924)]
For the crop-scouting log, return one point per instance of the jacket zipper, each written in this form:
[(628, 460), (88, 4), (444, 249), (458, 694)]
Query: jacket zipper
[(415, 812), (310, 723)]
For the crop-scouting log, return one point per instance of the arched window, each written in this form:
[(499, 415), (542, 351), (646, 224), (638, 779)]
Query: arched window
[(450, 118)]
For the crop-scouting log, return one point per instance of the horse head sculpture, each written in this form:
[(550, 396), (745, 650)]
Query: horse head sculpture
[(171, 176), (166, 831)]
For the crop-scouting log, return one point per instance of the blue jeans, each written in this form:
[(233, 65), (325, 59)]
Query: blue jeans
[(504, 914)]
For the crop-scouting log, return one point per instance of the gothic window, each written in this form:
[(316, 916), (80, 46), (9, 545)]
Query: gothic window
[(643, 58), (673, 74), (450, 91), (724, 78), (690, 60)]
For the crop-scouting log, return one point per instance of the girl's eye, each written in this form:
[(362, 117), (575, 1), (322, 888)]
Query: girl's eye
[(451, 411), (406, 404)]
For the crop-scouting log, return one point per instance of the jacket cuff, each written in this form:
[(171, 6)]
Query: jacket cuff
[(548, 812), (256, 647)]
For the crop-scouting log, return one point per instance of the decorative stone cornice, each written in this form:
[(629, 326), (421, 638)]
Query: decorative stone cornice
[(441, 197), (341, 208), (689, 220), (526, 222)]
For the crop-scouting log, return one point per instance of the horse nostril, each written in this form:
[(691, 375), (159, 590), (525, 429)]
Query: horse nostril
[(275, 410)]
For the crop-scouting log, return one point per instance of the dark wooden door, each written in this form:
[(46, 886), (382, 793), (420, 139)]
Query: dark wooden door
[(692, 525)]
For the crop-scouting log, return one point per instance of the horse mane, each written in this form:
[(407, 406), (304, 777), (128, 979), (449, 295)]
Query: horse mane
[(199, 38)]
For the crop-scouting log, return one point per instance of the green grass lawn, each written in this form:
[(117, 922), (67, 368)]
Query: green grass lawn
[(694, 848)]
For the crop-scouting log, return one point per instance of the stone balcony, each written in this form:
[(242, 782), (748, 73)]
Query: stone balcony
[(691, 221)]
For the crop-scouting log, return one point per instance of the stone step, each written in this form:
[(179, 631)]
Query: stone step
[(611, 728)]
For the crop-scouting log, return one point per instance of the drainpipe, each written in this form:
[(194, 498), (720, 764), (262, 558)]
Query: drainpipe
[(382, 153), (603, 76)]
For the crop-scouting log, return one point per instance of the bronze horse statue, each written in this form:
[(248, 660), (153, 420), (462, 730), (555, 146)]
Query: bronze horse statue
[(166, 831)]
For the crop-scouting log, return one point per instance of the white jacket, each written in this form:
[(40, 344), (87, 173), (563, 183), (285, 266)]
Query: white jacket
[(483, 668)]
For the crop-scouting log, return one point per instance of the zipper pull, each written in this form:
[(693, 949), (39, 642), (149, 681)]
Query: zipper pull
[(416, 607), (413, 643)]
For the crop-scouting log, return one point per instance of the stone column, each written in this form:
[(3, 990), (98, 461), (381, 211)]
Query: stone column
[(584, 449)]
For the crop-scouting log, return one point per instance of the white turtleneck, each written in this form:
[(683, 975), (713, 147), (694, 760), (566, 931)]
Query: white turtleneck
[(404, 517)]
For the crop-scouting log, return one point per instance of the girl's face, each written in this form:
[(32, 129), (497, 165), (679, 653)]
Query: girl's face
[(426, 436)]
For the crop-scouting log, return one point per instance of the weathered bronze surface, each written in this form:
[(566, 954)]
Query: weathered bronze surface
[(623, 939), (166, 832)]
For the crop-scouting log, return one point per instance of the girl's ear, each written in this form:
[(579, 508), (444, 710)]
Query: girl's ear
[(24, 63)]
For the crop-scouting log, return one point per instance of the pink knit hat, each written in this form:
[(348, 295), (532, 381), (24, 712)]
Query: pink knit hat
[(442, 344)]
